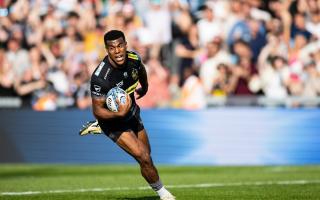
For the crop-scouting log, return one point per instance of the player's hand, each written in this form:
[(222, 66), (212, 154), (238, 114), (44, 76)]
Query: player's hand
[(141, 92), (123, 109)]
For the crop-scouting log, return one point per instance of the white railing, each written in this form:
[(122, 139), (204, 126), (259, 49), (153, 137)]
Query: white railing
[(263, 101), (10, 102)]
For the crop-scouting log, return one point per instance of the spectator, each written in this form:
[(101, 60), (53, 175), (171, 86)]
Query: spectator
[(187, 50), (275, 77), (242, 73), (6, 76), (225, 82), (313, 25), (312, 80), (230, 44), (257, 38), (244, 67), (299, 26), (26, 86), (208, 26), (193, 95), (158, 94), (215, 55), (47, 100), (158, 21), (17, 57), (82, 90)]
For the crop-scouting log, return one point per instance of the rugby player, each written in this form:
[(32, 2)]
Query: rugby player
[(123, 69)]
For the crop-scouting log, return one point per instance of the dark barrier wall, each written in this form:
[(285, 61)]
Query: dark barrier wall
[(224, 136)]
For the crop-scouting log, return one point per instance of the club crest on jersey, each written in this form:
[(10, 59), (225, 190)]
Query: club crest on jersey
[(125, 74), (134, 74), (97, 88)]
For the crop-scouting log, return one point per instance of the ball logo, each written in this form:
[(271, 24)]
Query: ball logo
[(123, 99), (109, 101)]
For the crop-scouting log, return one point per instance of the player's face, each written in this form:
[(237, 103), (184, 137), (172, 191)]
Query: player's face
[(117, 51)]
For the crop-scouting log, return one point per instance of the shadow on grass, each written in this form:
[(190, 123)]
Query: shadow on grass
[(140, 198)]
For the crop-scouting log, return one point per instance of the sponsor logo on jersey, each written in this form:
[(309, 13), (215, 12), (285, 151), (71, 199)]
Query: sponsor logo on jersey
[(97, 88), (120, 84), (134, 74), (96, 94), (99, 69), (106, 75)]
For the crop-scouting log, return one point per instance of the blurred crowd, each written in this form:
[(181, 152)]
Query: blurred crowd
[(191, 49)]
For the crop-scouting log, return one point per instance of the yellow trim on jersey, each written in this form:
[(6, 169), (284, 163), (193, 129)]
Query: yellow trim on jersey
[(132, 88), (133, 56)]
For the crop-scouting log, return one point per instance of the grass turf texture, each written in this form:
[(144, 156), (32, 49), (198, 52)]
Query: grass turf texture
[(123, 182)]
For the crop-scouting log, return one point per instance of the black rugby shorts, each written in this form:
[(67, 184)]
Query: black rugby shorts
[(113, 129)]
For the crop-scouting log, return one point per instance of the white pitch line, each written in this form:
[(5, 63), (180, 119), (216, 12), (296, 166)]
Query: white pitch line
[(203, 185)]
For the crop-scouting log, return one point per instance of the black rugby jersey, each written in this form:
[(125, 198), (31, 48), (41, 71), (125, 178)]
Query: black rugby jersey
[(105, 77)]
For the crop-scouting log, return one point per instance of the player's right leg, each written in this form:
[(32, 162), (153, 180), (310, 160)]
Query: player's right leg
[(139, 148)]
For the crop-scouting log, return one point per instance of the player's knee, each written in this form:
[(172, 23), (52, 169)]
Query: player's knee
[(144, 158)]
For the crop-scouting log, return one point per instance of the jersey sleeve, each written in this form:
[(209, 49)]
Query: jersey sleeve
[(135, 58), (97, 88)]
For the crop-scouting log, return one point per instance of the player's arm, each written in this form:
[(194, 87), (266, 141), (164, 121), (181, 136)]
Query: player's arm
[(102, 113), (98, 96), (143, 80)]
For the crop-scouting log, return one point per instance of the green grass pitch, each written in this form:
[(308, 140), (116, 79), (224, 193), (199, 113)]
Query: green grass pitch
[(95, 182)]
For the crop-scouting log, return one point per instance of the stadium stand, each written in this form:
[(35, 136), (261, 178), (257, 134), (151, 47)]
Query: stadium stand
[(242, 52)]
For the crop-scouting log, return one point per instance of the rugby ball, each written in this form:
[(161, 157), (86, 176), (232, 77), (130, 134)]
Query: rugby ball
[(112, 95)]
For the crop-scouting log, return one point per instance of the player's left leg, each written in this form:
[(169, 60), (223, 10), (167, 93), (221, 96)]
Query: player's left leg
[(156, 186)]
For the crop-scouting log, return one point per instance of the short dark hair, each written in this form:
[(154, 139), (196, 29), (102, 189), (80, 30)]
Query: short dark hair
[(113, 35)]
